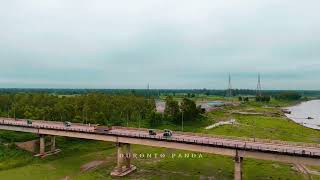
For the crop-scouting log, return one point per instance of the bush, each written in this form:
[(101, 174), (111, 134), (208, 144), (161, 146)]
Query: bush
[(263, 98), (289, 96)]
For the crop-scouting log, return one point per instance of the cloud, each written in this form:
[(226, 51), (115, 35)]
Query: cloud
[(171, 44)]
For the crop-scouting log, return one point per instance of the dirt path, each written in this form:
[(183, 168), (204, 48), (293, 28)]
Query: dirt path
[(91, 165), (303, 169)]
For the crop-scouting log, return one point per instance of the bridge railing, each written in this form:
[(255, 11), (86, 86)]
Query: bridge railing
[(279, 149), (24, 124), (187, 139), (231, 137)]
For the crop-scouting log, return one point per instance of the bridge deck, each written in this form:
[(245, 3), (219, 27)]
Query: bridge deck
[(276, 148)]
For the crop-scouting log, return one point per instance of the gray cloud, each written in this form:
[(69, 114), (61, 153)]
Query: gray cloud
[(171, 44)]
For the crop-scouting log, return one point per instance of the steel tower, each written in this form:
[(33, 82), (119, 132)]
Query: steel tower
[(259, 93), (229, 91)]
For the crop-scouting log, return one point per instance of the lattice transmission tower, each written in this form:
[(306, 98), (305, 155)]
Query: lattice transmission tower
[(229, 90), (148, 91), (259, 89)]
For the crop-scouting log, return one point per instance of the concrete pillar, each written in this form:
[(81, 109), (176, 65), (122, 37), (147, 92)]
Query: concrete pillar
[(42, 145), (53, 143), (127, 159), (238, 168), (120, 157), (124, 166)]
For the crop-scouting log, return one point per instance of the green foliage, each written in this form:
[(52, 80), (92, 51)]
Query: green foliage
[(155, 119), (11, 157), (172, 110), (11, 136), (263, 98), (290, 96), (89, 108), (189, 109)]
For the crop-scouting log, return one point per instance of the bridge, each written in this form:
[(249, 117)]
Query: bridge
[(286, 152)]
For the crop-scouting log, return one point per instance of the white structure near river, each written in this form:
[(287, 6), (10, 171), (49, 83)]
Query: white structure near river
[(301, 112)]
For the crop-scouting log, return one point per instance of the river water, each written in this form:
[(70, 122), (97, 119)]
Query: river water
[(301, 112)]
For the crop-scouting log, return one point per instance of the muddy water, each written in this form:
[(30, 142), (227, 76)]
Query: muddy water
[(301, 112)]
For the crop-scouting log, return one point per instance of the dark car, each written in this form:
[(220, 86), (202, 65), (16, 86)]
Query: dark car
[(102, 130), (29, 122), (167, 133), (152, 132), (67, 124)]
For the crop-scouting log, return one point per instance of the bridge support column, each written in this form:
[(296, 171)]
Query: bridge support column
[(43, 146), (53, 143), (238, 168), (124, 166)]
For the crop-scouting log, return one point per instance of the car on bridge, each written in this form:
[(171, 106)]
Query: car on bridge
[(167, 133), (152, 132), (29, 122), (102, 129), (67, 124)]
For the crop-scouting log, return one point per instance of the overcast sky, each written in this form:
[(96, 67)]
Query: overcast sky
[(169, 43)]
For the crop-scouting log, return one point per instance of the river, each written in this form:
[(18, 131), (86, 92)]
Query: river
[(301, 112)]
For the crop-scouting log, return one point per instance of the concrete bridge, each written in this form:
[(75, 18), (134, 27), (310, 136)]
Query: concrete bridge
[(295, 153)]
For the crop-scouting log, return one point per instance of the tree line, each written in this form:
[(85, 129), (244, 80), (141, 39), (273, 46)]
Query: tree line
[(156, 92), (96, 108)]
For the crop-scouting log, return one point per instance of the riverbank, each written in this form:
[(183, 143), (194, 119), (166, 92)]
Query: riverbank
[(306, 113)]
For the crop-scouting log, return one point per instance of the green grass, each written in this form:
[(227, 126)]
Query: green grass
[(180, 97), (256, 170), (11, 136), (69, 162), (272, 124), (11, 157), (276, 128)]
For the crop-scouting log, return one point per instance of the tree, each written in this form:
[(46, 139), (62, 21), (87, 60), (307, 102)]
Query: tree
[(88, 108), (189, 109), (263, 98), (172, 110), (289, 96)]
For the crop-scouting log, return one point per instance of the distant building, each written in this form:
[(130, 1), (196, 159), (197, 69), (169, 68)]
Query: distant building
[(160, 106), (210, 106)]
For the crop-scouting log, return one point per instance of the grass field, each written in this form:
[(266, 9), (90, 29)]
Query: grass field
[(77, 154)]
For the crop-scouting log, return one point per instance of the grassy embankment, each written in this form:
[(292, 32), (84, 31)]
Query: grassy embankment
[(18, 164), (269, 124)]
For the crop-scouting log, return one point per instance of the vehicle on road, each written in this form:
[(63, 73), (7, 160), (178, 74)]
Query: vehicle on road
[(167, 133), (29, 122), (102, 129), (67, 124), (152, 132)]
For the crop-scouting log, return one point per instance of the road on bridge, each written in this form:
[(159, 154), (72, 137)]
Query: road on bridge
[(287, 148)]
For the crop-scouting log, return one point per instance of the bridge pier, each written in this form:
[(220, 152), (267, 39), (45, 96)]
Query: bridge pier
[(53, 143), (238, 167), (124, 166), (43, 146), (42, 149)]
